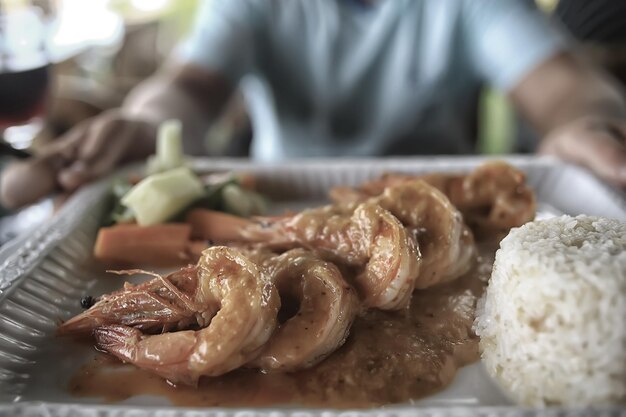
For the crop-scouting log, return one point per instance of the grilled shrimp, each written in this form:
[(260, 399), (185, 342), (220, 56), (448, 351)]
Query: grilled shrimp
[(446, 244), (247, 306), (365, 237), (326, 307), (494, 197), (159, 305)]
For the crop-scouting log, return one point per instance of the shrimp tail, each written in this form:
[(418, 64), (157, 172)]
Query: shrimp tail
[(165, 354), (117, 340)]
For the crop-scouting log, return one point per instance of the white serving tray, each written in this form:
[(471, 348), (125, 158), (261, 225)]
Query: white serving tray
[(42, 278)]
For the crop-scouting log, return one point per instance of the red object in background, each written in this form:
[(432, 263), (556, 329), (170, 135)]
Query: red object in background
[(24, 68), (22, 95)]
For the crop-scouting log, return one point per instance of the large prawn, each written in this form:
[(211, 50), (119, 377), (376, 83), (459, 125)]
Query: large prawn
[(446, 245), (245, 303), (326, 307), (492, 198), (365, 237)]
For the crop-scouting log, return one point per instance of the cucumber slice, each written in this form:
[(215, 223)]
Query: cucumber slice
[(236, 201), (242, 202), (169, 148), (159, 197)]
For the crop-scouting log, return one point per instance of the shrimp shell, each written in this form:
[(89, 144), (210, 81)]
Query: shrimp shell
[(161, 304), (248, 305), (366, 237)]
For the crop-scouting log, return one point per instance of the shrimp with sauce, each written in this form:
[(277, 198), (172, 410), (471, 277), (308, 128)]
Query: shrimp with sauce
[(365, 237), (245, 303), (446, 244), (494, 197), (326, 307)]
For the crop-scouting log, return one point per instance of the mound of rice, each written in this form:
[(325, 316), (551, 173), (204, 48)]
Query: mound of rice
[(552, 322)]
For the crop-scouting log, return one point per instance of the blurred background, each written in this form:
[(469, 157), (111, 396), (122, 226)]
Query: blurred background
[(66, 60), (63, 61)]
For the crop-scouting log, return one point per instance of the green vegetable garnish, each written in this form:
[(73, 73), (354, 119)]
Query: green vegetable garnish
[(159, 197), (169, 148)]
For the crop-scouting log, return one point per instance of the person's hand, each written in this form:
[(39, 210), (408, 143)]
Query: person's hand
[(89, 151), (598, 143), (95, 147)]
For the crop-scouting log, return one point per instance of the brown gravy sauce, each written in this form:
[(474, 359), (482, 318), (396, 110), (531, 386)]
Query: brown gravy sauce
[(388, 358)]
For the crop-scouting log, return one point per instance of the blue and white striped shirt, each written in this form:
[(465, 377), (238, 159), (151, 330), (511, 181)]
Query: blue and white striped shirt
[(337, 78)]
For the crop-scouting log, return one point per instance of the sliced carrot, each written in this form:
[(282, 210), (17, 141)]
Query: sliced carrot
[(215, 226), (131, 244)]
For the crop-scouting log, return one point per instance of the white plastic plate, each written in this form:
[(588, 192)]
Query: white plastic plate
[(43, 277)]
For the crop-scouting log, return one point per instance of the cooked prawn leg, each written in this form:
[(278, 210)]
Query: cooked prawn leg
[(248, 307), (326, 308)]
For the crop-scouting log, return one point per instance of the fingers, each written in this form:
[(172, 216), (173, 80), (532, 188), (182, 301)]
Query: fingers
[(73, 176), (101, 132), (107, 142), (25, 182), (89, 151), (606, 157), (64, 150), (102, 149), (599, 147)]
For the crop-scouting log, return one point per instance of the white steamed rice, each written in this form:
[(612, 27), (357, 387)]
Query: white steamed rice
[(552, 322)]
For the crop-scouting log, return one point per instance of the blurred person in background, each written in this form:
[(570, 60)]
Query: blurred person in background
[(600, 26), (357, 78)]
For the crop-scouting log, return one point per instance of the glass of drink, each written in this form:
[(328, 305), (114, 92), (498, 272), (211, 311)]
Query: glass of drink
[(24, 72)]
